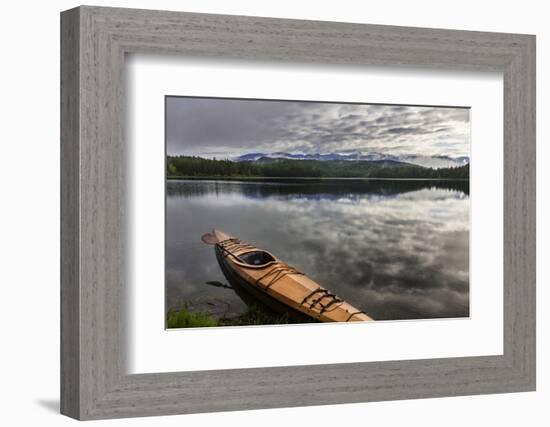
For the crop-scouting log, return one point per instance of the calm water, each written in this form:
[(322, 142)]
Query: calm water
[(394, 249)]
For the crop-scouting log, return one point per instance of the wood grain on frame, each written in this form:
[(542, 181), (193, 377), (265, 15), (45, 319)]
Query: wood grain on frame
[(94, 41)]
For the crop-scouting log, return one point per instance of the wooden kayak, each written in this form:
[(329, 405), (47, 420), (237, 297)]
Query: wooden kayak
[(276, 284)]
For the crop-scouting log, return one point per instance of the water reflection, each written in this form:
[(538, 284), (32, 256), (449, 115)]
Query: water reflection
[(311, 188), (395, 249)]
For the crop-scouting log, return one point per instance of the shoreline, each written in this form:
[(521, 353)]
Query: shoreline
[(313, 178)]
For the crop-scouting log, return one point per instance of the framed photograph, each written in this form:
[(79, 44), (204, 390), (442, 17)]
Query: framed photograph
[(372, 200), (291, 213)]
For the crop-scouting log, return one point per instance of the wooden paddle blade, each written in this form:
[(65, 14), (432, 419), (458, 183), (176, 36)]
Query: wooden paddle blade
[(209, 239)]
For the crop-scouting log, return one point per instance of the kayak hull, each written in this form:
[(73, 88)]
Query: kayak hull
[(258, 276)]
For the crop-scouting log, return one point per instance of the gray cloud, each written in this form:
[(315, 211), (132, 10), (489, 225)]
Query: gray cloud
[(226, 127)]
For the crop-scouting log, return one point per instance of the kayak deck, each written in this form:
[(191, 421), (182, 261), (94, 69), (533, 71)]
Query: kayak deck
[(278, 284)]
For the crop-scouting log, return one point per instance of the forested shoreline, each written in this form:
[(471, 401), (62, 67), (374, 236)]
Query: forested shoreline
[(192, 166)]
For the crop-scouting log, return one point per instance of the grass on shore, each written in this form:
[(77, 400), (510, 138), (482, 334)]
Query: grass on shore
[(184, 319), (253, 315)]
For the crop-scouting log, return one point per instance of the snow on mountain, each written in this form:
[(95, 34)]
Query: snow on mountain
[(435, 162), (250, 157)]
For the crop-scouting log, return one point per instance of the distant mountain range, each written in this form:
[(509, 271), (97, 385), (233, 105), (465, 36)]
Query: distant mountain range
[(435, 162)]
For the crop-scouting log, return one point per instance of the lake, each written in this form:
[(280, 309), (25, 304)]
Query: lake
[(396, 249)]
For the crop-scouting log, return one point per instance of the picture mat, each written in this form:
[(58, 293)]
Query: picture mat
[(151, 348)]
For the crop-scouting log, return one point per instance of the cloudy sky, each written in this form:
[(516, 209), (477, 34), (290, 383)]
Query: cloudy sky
[(227, 127)]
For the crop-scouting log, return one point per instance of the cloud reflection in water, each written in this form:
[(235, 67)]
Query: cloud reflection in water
[(395, 249)]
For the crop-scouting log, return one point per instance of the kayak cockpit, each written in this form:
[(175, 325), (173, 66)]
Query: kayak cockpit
[(241, 253), (257, 258)]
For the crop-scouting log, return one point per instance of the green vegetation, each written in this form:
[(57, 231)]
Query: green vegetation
[(185, 166), (458, 172), (197, 166), (254, 315), (184, 319)]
